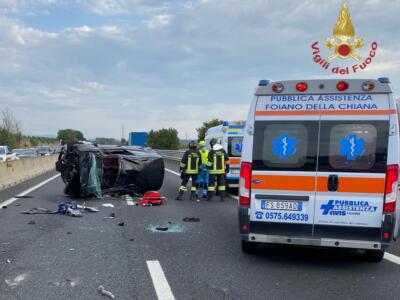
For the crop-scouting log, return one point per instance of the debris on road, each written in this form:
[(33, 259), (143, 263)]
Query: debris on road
[(8, 261), (69, 232), (70, 209), (172, 228), (162, 228), (108, 205), (31, 222), (5, 206), (153, 198), (87, 208), (104, 292), (16, 281), (23, 196), (39, 211), (17, 204), (121, 224), (191, 219)]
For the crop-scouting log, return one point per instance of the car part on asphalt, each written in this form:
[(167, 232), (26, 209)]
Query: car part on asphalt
[(108, 205), (89, 170), (104, 292), (191, 219)]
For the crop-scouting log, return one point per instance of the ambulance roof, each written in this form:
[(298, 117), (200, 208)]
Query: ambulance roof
[(323, 87)]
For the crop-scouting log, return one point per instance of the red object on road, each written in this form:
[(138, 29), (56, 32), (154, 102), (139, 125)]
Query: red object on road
[(153, 198)]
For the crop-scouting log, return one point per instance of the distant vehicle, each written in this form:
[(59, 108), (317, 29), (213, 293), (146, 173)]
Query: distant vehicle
[(43, 150), (6, 154), (230, 136), (25, 153), (138, 139), (320, 166)]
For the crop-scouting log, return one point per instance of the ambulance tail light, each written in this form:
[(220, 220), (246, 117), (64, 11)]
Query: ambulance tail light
[(342, 86), (277, 87), (245, 184), (368, 86), (391, 188), (302, 86)]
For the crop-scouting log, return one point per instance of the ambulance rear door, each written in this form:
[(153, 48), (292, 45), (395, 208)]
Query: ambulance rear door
[(352, 160), (284, 163)]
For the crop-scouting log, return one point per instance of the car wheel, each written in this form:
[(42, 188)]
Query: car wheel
[(249, 247), (374, 255)]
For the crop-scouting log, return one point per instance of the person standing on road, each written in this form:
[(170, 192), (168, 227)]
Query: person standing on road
[(218, 166), (189, 167), (202, 178)]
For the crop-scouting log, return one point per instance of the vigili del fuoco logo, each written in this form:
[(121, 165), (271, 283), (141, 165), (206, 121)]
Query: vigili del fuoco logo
[(343, 46)]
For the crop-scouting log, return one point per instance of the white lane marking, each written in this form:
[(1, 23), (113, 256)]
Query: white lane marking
[(392, 258), (163, 290), (173, 172), (11, 200)]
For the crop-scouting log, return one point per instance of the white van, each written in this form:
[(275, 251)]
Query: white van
[(230, 136), (320, 165)]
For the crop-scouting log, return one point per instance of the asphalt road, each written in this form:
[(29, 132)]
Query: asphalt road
[(61, 257)]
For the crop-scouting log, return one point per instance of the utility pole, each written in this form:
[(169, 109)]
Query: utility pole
[(122, 131)]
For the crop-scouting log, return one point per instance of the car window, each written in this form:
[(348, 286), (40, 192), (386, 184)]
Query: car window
[(2, 151)]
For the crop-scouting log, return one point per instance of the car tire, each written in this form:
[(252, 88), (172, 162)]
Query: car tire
[(374, 255), (249, 247)]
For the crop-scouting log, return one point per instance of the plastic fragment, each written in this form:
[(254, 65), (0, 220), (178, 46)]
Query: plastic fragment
[(108, 205), (104, 292), (191, 219)]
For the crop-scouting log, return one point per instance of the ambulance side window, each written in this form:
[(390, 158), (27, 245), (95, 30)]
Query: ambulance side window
[(290, 145), (353, 146)]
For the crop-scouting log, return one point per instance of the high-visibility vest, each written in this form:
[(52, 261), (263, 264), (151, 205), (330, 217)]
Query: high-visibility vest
[(204, 155), (191, 162), (218, 161)]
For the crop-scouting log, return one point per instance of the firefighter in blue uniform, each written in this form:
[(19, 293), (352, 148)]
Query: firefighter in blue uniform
[(190, 167), (202, 179)]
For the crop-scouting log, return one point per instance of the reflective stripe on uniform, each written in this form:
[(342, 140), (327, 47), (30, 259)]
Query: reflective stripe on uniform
[(211, 188), (193, 189), (222, 188)]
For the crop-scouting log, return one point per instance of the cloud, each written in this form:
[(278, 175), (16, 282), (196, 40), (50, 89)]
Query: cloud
[(152, 64)]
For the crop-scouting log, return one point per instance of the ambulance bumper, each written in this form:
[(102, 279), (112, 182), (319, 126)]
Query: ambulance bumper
[(320, 242)]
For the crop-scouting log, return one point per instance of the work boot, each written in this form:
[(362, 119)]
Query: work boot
[(193, 196), (222, 194), (210, 196), (179, 197)]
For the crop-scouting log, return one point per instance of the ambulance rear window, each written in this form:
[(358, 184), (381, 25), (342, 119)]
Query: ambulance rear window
[(235, 146), (290, 145), (353, 146)]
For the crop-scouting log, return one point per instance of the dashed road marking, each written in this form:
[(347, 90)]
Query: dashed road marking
[(173, 172), (392, 258), (161, 285), (13, 199)]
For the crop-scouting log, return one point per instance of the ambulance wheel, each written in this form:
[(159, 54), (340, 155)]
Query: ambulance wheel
[(374, 255), (248, 247)]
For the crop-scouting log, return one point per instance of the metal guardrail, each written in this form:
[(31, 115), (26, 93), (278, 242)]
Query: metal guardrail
[(171, 154)]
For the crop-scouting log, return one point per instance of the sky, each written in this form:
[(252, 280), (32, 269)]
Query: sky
[(98, 65)]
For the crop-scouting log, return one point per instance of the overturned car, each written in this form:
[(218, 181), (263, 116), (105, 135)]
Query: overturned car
[(89, 170)]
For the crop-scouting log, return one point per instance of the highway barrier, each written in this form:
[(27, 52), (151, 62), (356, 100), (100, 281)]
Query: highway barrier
[(14, 172), (171, 154)]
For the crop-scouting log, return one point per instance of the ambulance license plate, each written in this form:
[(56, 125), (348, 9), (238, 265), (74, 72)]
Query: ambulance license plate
[(281, 205)]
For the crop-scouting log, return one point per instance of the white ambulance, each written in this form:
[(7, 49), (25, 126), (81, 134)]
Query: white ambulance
[(320, 166), (230, 136)]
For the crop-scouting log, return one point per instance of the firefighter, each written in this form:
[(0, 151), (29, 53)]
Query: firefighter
[(189, 167), (218, 166), (202, 178)]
